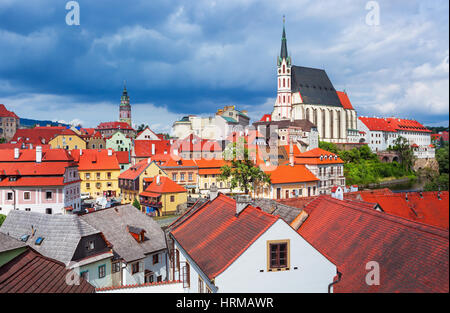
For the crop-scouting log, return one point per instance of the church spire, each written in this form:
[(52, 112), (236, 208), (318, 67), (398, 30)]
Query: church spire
[(284, 53)]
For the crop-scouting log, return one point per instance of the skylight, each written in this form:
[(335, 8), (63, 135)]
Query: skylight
[(39, 241)]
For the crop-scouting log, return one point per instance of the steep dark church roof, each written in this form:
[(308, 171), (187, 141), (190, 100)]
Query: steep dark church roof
[(314, 86)]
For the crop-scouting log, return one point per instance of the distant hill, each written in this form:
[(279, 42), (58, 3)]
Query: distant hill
[(26, 122)]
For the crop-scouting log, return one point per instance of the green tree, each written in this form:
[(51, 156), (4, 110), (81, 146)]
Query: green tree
[(2, 140), (141, 127), (402, 147), (328, 146), (136, 204), (243, 172), (2, 219)]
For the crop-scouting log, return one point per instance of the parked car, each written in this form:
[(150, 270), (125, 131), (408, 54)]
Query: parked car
[(85, 195)]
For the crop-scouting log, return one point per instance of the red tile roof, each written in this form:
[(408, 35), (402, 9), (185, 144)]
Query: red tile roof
[(114, 125), (5, 113), (123, 156), (143, 148), (31, 272), (266, 118), (393, 124), (135, 171), (377, 124), (345, 101), (37, 135), (214, 237), (427, 209), (313, 157), (413, 257), (29, 155), (93, 159), (166, 185), (284, 174)]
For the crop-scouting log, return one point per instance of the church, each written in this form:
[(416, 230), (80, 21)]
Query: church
[(307, 93)]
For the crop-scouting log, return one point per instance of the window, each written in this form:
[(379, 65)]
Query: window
[(277, 255), (159, 278), (98, 175), (172, 198), (48, 211), (182, 176), (200, 285), (149, 278), (174, 176), (26, 195), (85, 275), (9, 196), (102, 271), (88, 176), (135, 268), (90, 245), (116, 267), (88, 186), (109, 175), (155, 258), (186, 276), (48, 195), (27, 209), (190, 176)]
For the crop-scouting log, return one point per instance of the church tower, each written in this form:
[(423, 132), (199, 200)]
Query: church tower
[(282, 108), (125, 107)]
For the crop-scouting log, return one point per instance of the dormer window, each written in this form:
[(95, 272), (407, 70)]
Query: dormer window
[(137, 233)]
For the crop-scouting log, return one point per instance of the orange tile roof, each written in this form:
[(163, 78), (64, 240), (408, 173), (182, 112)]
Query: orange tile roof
[(345, 101), (284, 174), (93, 159), (166, 186), (313, 157), (135, 171), (123, 156)]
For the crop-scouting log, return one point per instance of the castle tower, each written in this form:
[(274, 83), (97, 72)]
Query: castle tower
[(282, 108), (125, 107)]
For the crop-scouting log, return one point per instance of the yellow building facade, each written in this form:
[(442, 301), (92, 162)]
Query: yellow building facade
[(68, 140), (132, 181), (99, 172)]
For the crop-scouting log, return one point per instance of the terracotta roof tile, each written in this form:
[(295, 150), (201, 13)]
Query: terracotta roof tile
[(30, 272), (413, 257), (214, 237)]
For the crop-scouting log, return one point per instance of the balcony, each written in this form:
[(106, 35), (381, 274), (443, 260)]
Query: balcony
[(152, 204)]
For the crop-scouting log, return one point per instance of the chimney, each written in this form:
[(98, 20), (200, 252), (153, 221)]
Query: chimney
[(158, 180), (109, 152), (38, 154), (291, 153), (175, 151), (241, 203), (149, 160), (81, 152), (153, 149), (16, 153), (406, 196), (213, 192)]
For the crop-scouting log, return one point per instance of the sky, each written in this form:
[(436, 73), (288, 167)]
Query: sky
[(194, 57)]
